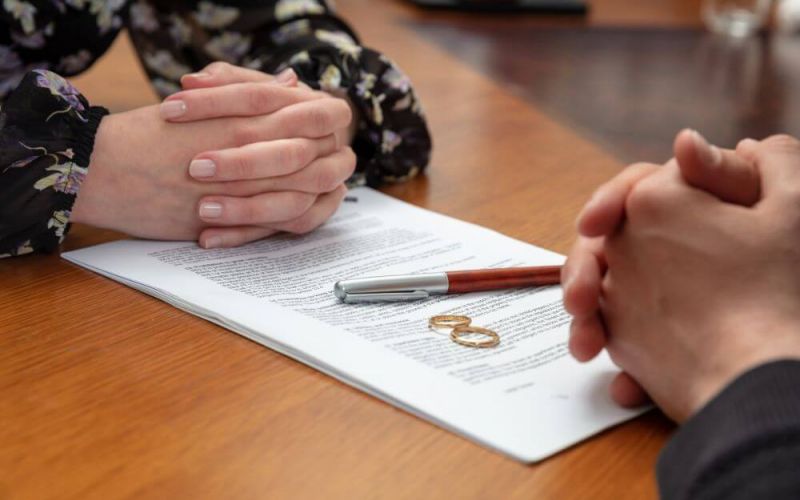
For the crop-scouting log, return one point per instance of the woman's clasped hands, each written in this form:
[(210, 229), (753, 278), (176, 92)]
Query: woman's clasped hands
[(236, 156)]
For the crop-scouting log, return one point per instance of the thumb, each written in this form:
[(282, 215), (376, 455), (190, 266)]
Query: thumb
[(720, 172)]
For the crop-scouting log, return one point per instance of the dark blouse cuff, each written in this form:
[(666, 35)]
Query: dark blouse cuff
[(47, 133), (83, 144), (758, 411)]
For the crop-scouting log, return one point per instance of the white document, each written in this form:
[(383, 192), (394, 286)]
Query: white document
[(526, 397)]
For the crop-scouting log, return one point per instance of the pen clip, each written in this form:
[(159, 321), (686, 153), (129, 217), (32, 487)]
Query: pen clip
[(404, 296)]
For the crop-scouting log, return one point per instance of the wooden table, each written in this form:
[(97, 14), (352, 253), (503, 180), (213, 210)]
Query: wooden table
[(107, 393)]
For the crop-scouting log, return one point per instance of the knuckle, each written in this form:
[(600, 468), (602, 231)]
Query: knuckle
[(614, 252), (250, 211), (793, 223), (614, 352), (644, 201), (320, 119), (217, 67), (239, 167), (343, 112), (635, 173), (783, 142), (302, 225), (790, 205), (239, 189), (745, 143), (297, 204), (351, 161), (259, 98), (326, 180), (212, 103), (297, 154), (642, 165), (244, 133)]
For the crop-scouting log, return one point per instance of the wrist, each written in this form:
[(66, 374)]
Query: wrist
[(739, 358), (85, 143), (757, 405), (87, 208)]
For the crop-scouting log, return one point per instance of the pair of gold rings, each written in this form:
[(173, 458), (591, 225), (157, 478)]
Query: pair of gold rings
[(461, 330)]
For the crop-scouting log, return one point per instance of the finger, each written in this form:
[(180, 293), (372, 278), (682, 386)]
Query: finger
[(259, 210), (310, 119), (261, 159), (236, 99), (322, 175), (582, 275), (227, 237), (747, 149), (587, 337), (313, 119), (720, 172), (322, 210), (221, 73), (627, 392), (605, 211), (778, 161)]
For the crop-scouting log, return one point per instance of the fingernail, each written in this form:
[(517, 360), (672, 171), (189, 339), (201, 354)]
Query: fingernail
[(709, 154), (199, 74), (747, 143), (172, 109), (202, 168), (213, 242), (210, 210), (286, 76)]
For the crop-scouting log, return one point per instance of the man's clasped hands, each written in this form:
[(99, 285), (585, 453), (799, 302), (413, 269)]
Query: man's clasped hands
[(688, 273), (235, 156)]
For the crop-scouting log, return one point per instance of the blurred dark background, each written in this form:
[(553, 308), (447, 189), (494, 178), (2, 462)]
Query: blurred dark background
[(632, 88)]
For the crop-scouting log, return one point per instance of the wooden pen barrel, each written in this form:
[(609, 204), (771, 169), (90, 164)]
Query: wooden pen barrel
[(493, 279)]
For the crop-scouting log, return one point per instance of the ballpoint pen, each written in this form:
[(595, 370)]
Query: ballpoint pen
[(422, 286)]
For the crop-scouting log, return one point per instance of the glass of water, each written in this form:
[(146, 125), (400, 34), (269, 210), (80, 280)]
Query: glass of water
[(736, 18)]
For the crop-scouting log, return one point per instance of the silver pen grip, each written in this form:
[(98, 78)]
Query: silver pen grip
[(432, 283)]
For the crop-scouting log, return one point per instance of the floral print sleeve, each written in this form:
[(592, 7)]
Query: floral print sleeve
[(47, 128), (47, 134), (64, 36), (392, 141)]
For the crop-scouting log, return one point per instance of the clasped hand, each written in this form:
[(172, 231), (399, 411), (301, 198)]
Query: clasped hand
[(236, 156), (688, 274)]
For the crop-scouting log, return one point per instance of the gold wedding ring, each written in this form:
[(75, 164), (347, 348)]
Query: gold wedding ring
[(457, 335), (449, 321)]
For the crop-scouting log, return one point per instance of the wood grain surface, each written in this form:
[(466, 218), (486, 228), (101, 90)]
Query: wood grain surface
[(107, 393)]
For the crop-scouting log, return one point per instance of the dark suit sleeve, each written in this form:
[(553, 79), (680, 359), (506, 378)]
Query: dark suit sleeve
[(745, 444)]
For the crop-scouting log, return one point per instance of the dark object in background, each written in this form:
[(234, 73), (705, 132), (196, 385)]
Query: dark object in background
[(540, 6), (629, 88)]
